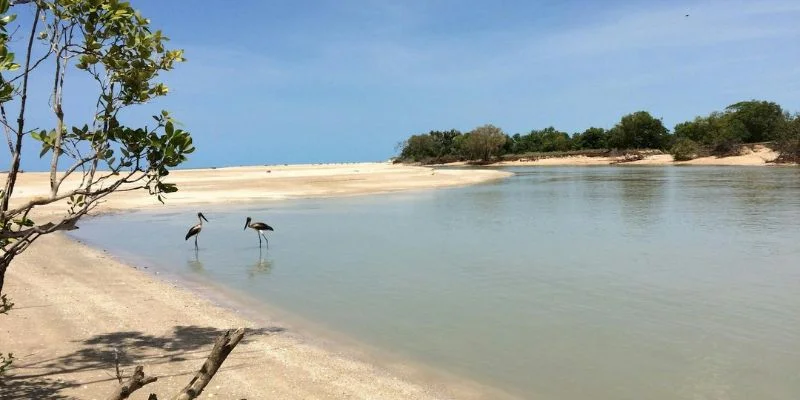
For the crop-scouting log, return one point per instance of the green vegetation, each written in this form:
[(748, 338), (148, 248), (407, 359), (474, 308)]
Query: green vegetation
[(482, 143), (720, 133), (685, 149), (639, 130), (5, 361), (592, 138), (114, 47), (789, 141)]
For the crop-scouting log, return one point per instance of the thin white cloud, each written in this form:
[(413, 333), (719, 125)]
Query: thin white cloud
[(396, 55), (707, 24), (508, 53)]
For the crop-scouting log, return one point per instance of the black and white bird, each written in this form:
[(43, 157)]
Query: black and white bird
[(260, 228), (195, 230)]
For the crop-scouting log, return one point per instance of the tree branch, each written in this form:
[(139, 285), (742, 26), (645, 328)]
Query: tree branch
[(223, 346), (90, 200), (43, 201), (33, 67), (68, 223), (134, 383), (125, 57), (58, 93), (116, 365), (74, 167), (7, 129), (50, 50), (12, 174)]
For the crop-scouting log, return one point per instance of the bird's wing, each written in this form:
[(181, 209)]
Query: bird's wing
[(264, 227), (192, 231)]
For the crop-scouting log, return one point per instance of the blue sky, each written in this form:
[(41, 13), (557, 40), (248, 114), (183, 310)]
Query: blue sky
[(332, 81)]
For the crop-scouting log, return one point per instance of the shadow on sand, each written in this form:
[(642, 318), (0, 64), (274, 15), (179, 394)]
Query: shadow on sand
[(49, 378)]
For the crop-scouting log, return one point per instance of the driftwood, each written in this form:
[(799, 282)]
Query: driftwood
[(219, 353), (134, 383), (222, 347)]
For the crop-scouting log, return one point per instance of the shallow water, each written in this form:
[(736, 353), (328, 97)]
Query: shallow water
[(558, 283)]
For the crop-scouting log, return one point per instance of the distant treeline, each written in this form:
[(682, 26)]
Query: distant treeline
[(720, 133)]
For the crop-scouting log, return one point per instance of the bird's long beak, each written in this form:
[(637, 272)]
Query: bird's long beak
[(245, 224), (203, 217)]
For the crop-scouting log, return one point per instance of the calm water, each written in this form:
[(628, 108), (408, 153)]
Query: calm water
[(558, 283)]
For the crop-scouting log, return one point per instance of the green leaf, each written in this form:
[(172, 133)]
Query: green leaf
[(24, 222), (6, 92), (167, 187)]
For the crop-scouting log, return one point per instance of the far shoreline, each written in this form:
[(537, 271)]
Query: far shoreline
[(758, 155)]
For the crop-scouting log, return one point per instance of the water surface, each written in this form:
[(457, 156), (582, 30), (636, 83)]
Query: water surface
[(558, 283)]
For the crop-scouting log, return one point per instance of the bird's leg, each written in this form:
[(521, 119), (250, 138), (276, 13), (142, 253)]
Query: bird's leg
[(265, 239), (259, 239), (195, 241)]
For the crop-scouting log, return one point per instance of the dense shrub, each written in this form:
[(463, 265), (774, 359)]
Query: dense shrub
[(720, 133), (789, 142), (685, 149)]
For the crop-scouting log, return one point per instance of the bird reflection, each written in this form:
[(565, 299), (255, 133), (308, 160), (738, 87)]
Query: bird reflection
[(194, 263), (260, 267)]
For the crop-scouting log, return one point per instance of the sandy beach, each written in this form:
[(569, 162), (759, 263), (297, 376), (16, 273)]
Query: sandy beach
[(75, 305), (283, 182), (758, 155)]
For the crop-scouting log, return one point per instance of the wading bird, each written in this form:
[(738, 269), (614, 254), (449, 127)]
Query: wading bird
[(195, 230), (259, 227)]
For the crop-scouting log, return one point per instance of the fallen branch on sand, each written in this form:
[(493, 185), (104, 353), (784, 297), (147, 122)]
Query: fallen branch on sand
[(222, 347)]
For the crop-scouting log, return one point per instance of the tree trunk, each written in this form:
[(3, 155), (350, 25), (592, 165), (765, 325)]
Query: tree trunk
[(3, 267)]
